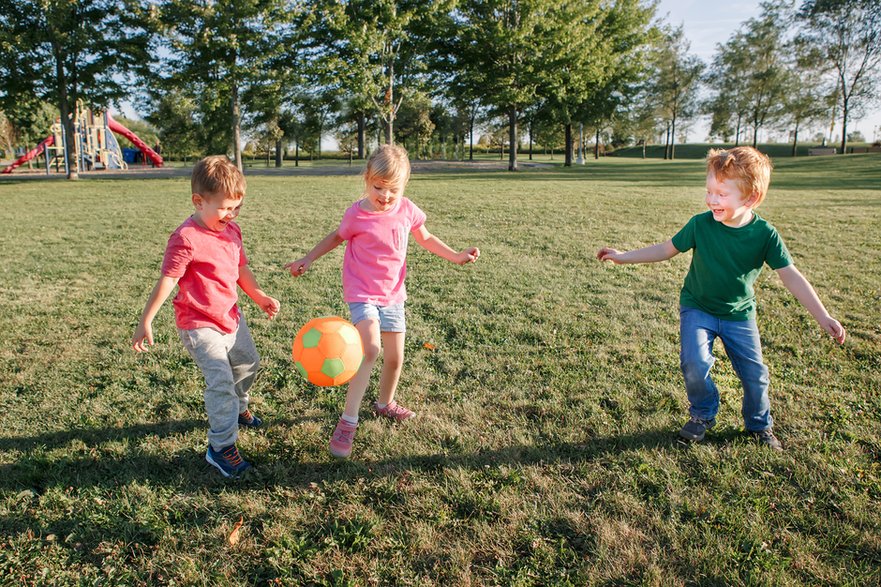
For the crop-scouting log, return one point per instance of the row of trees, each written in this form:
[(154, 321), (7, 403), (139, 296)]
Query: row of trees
[(424, 71)]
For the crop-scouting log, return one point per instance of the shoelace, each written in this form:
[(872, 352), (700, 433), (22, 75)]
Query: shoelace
[(345, 434), (232, 455), (246, 416)]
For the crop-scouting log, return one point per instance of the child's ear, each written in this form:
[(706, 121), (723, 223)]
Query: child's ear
[(197, 200), (753, 198)]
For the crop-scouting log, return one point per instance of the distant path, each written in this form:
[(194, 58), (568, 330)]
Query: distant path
[(342, 168)]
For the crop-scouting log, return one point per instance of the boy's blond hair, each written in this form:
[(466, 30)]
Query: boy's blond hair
[(389, 164), (218, 176), (749, 168)]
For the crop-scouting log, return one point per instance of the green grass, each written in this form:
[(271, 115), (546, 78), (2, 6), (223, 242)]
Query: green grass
[(699, 150), (545, 450)]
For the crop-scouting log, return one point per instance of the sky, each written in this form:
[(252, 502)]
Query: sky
[(707, 23)]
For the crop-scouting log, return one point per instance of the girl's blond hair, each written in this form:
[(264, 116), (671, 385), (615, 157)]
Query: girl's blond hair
[(389, 164), (749, 168)]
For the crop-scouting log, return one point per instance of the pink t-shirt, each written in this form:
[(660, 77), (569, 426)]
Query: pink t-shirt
[(207, 263), (374, 265)]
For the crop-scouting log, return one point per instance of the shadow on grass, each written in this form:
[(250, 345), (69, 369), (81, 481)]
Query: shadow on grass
[(186, 469)]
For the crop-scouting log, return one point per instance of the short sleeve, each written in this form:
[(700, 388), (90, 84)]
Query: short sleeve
[(178, 254), (684, 239), (777, 256), (243, 258), (417, 217), (345, 228)]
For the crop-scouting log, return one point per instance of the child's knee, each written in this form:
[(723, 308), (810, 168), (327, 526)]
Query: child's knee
[(371, 352)]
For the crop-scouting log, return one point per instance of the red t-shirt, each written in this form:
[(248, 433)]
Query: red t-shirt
[(207, 263)]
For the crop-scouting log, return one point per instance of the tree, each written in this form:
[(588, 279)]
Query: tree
[(807, 98), (677, 75), (370, 49), (68, 51), (218, 50), (849, 35)]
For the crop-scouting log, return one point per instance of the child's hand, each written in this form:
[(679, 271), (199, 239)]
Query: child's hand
[(834, 328), (609, 254), (299, 267), (143, 337), (469, 255), (269, 305)]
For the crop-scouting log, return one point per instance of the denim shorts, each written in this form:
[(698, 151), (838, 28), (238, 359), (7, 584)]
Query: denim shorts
[(391, 318)]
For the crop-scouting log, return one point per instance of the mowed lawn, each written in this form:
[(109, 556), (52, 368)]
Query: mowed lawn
[(547, 387)]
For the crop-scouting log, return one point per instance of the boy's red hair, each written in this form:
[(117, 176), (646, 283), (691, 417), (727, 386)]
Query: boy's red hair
[(749, 168)]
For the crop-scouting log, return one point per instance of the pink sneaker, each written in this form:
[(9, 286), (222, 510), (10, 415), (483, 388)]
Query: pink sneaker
[(394, 411), (341, 441)]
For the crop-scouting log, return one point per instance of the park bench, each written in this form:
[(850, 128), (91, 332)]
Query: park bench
[(822, 151)]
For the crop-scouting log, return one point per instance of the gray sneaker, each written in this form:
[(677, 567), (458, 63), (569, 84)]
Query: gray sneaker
[(696, 428), (767, 438)]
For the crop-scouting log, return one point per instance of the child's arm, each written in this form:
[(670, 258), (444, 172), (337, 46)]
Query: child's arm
[(326, 245), (796, 283), (143, 336), (433, 244), (652, 254), (248, 283)]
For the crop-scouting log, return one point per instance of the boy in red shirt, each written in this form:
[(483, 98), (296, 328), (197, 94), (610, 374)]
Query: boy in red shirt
[(205, 259)]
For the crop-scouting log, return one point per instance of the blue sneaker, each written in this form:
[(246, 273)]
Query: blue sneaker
[(227, 460), (249, 420), (696, 428)]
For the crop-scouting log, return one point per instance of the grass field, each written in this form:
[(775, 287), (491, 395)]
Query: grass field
[(545, 451)]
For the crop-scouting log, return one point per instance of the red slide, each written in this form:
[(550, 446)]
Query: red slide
[(47, 142), (152, 155)]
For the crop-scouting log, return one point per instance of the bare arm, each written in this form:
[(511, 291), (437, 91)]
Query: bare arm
[(248, 282), (324, 246), (652, 254), (433, 244), (796, 283), (143, 336)]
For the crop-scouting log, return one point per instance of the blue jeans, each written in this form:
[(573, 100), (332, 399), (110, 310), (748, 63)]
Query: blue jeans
[(698, 331)]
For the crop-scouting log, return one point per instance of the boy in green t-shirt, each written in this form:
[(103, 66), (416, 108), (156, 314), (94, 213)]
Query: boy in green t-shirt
[(730, 244)]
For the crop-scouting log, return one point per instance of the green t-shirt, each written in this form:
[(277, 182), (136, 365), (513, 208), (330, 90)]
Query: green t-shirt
[(726, 262)]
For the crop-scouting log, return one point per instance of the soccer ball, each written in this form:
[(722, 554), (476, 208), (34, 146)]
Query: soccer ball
[(327, 351)]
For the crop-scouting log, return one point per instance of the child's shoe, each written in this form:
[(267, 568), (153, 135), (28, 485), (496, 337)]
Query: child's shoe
[(227, 460), (767, 438), (393, 411), (341, 441), (696, 428), (249, 420)]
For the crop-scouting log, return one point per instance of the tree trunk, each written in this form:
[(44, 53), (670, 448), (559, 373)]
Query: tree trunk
[(795, 141), (278, 153), (737, 132), (361, 125), (667, 142), (512, 139), (643, 148), (568, 158), (390, 101), (67, 121), (236, 127), (297, 154), (530, 140), (471, 137), (844, 125), (673, 139), (596, 145)]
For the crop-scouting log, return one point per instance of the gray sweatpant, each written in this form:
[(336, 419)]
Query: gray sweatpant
[(229, 363)]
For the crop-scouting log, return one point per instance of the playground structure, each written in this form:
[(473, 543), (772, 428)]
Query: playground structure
[(95, 146)]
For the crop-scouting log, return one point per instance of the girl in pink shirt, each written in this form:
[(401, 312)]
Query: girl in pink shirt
[(376, 229)]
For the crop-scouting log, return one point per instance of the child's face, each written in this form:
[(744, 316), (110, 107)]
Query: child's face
[(729, 204), (216, 211), (382, 194)]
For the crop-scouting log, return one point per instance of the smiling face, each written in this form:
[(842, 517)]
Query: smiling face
[(729, 204), (381, 195), (216, 211)]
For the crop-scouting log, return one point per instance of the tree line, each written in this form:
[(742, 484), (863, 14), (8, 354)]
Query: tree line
[(427, 72)]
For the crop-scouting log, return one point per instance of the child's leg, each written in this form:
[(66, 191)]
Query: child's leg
[(210, 351), (697, 332), (370, 340), (245, 362), (744, 348), (392, 364)]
